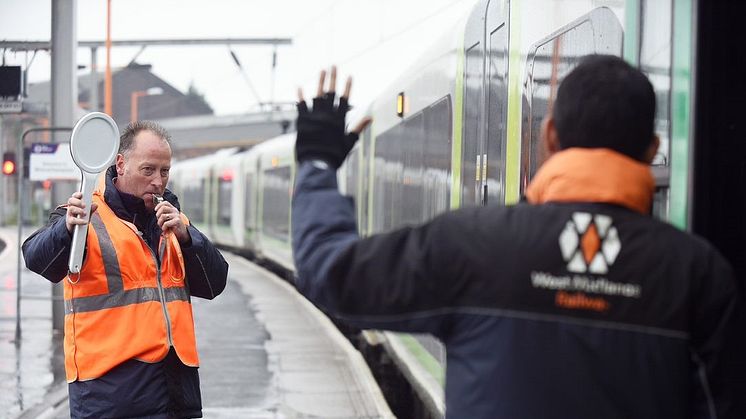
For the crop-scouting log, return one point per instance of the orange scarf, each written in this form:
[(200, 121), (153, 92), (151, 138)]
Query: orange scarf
[(593, 175)]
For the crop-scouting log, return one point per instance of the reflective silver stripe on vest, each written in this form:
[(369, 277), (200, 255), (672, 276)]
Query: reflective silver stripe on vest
[(175, 294), (122, 298), (118, 299), (117, 296), (109, 254)]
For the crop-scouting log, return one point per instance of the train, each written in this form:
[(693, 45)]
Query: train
[(461, 128)]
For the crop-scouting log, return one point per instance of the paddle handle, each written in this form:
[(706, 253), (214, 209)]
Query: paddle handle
[(81, 231)]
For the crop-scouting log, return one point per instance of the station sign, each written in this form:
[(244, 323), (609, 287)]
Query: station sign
[(10, 106), (52, 161)]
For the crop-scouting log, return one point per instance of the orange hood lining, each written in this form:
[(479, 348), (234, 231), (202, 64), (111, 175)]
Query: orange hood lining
[(593, 175)]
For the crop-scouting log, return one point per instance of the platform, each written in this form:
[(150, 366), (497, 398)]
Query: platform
[(265, 352)]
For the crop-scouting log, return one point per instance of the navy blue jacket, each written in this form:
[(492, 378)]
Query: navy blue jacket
[(645, 336), (134, 389)]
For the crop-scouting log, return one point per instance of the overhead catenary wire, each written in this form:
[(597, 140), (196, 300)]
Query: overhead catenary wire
[(323, 15), (245, 76)]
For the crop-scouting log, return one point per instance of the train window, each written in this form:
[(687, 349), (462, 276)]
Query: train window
[(497, 97), (412, 141), (655, 62), (276, 203), (250, 209), (436, 179), (598, 32), (412, 168), (192, 202), (470, 141), (225, 187), (388, 172)]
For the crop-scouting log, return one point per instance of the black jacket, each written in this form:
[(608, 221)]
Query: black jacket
[(133, 389), (642, 333)]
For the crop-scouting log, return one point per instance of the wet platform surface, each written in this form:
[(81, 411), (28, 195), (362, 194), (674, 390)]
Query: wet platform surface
[(30, 370), (265, 352)]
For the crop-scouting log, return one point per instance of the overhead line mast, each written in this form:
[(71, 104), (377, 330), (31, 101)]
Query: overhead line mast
[(14, 45)]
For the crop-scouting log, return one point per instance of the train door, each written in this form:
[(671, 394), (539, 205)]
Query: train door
[(485, 96), (210, 200), (473, 112), (492, 178), (548, 61), (250, 171), (259, 213)]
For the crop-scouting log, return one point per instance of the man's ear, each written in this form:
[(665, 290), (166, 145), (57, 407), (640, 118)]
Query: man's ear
[(120, 164), (549, 136), (652, 149)]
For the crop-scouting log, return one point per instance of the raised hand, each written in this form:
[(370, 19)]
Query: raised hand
[(321, 130)]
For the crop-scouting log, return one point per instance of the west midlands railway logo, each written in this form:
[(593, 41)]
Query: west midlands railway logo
[(589, 243)]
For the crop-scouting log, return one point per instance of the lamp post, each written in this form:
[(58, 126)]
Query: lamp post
[(107, 78), (136, 95)]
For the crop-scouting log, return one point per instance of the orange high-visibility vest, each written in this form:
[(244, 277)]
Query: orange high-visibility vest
[(123, 305)]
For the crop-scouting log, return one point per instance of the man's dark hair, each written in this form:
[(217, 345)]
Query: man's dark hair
[(127, 139), (606, 103)]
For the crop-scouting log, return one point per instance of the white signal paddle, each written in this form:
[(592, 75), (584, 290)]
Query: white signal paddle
[(94, 145)]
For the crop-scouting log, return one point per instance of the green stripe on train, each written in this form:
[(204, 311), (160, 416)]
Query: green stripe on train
[(458, 118), (431, 365), (632, 31), (513, 146), (681, 95)]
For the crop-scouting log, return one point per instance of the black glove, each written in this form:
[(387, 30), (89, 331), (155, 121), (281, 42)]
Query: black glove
[(321, 131)]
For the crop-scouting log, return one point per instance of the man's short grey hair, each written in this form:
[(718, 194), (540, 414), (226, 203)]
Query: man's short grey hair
[(127, 139)]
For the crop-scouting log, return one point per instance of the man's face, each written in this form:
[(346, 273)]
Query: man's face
[(143, 170)]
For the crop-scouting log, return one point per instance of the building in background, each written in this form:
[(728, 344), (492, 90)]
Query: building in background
[(167, 102)]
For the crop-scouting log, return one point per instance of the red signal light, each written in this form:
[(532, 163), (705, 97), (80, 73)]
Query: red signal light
[(9, 163)]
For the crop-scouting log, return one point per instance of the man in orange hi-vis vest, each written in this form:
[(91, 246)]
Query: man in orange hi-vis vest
[(130, 348)]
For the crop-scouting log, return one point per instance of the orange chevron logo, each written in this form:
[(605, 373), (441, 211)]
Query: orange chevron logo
[(589, 243)]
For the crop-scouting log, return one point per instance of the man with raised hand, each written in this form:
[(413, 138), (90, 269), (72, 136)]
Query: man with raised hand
[(577, 304)]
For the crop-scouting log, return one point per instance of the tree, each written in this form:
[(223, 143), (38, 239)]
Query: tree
[(194, 96)]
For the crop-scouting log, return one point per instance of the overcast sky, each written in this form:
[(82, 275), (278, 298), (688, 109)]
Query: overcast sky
[(374, 40)]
